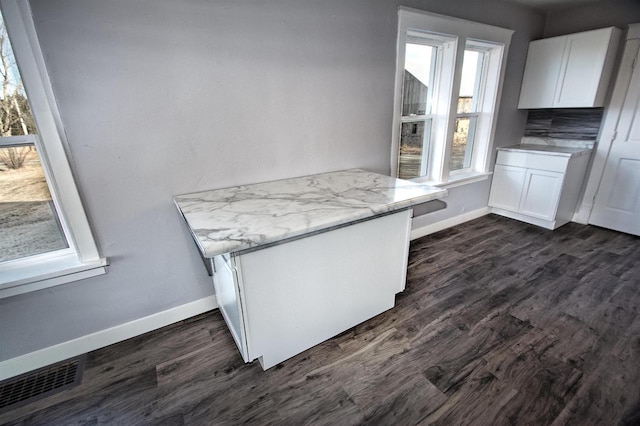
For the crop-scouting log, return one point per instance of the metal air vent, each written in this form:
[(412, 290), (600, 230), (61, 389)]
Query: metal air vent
[(41, 383)]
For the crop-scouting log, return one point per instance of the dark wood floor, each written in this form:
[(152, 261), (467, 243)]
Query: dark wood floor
[(501, 323)]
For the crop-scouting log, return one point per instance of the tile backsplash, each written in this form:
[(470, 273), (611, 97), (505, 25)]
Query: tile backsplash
[(578, 124)]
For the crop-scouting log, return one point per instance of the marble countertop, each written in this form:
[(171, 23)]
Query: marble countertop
[(564, 151), (242, 217)]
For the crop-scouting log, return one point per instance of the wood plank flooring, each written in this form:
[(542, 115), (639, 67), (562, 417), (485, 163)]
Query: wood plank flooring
[(501, 323)]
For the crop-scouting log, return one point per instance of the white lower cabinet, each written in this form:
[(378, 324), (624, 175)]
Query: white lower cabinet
[(283, 299), (537, 188)]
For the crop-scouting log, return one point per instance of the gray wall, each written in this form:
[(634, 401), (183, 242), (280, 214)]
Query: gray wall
[(605, 13), (163, 97)]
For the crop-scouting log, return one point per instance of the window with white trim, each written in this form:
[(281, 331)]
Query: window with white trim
[(45, 236), (448, 79)]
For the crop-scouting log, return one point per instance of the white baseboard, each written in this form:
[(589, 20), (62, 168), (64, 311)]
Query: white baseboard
[(46, 356), (448, 223)]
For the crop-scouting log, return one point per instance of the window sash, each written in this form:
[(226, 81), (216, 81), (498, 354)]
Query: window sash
[(441, 81), (467, 164), (34, 140), (410, 118), (17, 141), (433, 70), (409, 158), (472, 116), (480, 76)]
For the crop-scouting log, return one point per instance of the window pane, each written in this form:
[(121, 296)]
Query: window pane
[(470, 83), (419, 72), (28, 222), (414, 147), (462, 143)]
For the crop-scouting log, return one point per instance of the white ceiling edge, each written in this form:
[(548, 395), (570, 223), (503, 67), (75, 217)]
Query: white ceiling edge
[(547, 5)]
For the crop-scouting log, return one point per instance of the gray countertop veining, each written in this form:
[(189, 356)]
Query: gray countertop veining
[(247, 216), (564, 151)]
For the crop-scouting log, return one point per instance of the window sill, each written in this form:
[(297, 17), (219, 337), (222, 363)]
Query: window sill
[(47, 270), (463, 179), (457, 180)]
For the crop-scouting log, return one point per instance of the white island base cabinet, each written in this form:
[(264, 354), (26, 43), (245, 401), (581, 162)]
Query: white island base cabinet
[(537, 188), (280, 300)]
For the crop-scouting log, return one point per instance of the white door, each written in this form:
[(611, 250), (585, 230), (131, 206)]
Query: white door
[(617, 202), (541, 194)]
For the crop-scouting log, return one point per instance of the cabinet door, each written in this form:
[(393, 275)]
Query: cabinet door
[(506, 188), (227, 291), (541, 194), (584, 60), (542, 71), (302, 292)]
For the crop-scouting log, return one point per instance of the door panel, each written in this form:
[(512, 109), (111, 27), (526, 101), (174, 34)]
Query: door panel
[(626, 187), (617, 204)]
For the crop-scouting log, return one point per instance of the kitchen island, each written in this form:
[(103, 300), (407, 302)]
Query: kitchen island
[(298, 261)]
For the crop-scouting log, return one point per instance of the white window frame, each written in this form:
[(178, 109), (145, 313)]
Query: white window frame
[(460, 33), (82, 259), (478, 102), (439, 97)]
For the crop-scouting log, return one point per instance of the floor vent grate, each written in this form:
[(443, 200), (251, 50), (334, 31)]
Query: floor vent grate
[(41, 383)]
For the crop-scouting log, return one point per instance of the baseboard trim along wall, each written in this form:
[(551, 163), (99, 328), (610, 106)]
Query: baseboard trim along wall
[(46, 356), (448, 223)]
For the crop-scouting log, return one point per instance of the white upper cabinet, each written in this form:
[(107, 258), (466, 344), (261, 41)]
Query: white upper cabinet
[(571, 71), (542, 72)]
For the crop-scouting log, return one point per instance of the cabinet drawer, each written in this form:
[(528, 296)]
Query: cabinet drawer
[(552, 163)]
